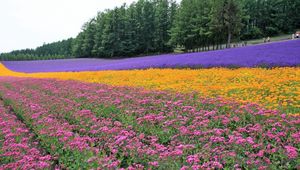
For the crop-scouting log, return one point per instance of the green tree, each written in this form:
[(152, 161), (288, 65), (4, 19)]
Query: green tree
[(226, 18)]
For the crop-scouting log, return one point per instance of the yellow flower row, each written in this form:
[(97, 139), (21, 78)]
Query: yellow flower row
[(276, 88)]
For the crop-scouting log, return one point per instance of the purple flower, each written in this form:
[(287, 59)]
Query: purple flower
[(272, 54)]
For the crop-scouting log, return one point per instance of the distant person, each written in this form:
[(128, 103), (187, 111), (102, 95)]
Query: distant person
[(297, 35), (268, 39), (293, 36)]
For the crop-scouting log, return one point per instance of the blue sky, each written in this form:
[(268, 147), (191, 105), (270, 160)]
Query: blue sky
[(30, 23)]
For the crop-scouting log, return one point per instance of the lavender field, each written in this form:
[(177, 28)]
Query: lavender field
[(138, 85), (275, 54)]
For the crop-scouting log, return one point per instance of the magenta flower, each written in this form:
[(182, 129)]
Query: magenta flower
[(292, 152), (155, 163), (142, 130)]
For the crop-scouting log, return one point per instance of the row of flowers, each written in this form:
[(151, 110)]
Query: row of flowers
[(276, 88), (19, 147), (120, 127)]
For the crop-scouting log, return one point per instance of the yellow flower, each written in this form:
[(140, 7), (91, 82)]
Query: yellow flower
[(276, 88)]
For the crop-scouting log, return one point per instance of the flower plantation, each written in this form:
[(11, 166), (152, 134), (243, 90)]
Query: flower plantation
[(104, 114), (58, 124), (276, 88), (275, 54)]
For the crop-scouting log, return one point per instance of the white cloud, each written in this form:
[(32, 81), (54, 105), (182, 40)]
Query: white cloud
[(30, 23)]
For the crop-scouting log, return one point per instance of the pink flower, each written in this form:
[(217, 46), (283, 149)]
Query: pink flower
[(217, 165), (240, 140), (262, 168), (296, 136), (184, 168), (104, 129), (236, 119), (196, 167), (177, 152), (260, 153), (232, 154), (142, 136), (192, 159), (283, 116), (236, 166), (120, 139), (267, 160), (292, 152), (219, 132), (225, 121), (155, 163), (43, 165), (250, 140), (197, 133), (114, 164), (183, 130), (45, 158), (117, 123), (217, 139)]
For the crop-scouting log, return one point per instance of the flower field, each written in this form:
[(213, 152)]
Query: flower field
[(159, 118), (84, 126), (264, 55), (276, 88)]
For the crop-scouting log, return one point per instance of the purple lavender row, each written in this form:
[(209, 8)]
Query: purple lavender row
[(275, 54)]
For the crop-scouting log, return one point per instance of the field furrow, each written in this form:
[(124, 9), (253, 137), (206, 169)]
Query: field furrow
[(19, 146)]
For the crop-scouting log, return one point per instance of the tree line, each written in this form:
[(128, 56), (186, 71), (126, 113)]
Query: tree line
[(160, 26), (57, 50)]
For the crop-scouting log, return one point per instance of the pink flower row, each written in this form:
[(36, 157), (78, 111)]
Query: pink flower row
[(148, 129), (19, 149)]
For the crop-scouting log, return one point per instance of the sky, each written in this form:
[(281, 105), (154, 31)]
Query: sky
[(30, 23)]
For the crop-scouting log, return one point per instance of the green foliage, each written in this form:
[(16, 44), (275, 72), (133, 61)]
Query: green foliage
[(56, 50), (141, 28), (270, 17), (162, 26)]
